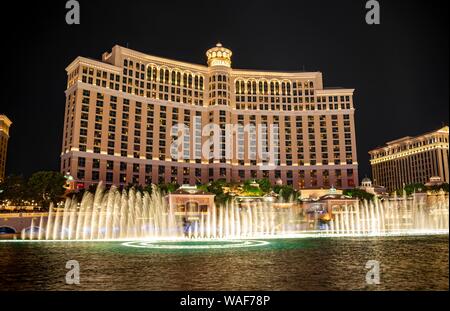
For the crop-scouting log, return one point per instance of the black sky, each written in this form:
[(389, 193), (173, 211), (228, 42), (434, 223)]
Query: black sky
[(399, 68)]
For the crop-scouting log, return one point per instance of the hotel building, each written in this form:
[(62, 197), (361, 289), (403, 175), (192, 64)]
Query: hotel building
[(5, 123), (119, 113), (411, 160)]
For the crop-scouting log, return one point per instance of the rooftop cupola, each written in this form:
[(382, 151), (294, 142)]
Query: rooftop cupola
[(219, 56)]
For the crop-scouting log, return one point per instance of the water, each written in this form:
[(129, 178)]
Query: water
[(135, 241), (407, 263), (112, 215)]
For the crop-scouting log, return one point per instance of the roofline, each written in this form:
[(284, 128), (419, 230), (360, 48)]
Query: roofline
[(90, 61), (203, 68), (149, 57), (442, 129), (333, 91), (5, 119)]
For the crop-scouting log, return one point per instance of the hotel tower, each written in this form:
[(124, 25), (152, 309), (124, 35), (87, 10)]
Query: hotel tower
[(120, 113), (5, 124), (410, 160)]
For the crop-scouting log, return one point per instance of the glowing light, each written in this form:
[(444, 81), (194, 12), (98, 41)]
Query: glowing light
[(219, 244)]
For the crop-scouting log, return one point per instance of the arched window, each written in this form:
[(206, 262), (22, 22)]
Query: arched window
[(178, 78), (149, 73), (154, 73), (196, 82), (238, 89), (166, 76), (174, 77), (272, 88), (254, 87), (161, 75)]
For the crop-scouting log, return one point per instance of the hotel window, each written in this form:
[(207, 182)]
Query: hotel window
[(109, 177), (123, 166), (313, 178), (95, 163), (95, 175), (81, 162), (198, 172), (80, 174), (109, 165), (174, 171), (123, 178)]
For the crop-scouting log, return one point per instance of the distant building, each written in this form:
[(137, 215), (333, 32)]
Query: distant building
[(190, 202), (367, 186), (434, 181), (322, 210), (313, 193), (411, 160), (5, 123)]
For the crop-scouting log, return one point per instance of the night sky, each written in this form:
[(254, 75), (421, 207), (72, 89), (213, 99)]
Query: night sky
[(399, 68)]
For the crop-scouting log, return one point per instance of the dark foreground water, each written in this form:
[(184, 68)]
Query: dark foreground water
[(407, 263)]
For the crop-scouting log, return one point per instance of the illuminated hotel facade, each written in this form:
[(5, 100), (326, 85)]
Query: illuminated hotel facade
[(411, 160), (5, 124), (119, 113)]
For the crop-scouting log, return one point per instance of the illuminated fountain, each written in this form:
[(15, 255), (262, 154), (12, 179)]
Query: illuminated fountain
[(132, 215), (397, 216)]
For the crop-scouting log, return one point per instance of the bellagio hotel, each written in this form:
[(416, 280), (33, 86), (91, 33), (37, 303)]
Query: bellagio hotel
[(119, 113)]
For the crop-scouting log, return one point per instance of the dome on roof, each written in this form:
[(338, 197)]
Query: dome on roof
[(366, 179), (219, 56)]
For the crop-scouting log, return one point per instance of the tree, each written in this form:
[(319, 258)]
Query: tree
[(250, 189), (216, 187), (14, 189), (46, 187), (412, 188), (437, 188), (168, 187), (359, 193), (265, 185), (286, 192)]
